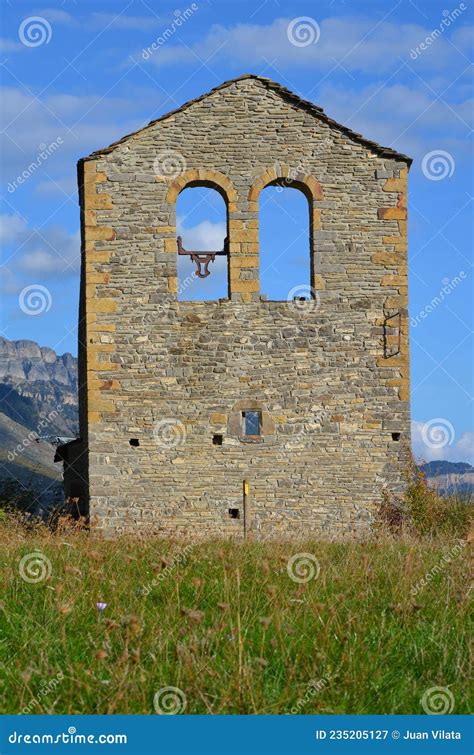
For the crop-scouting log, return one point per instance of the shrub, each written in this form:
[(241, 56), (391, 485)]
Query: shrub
[(16, 497), (422, 512), (428, 513)]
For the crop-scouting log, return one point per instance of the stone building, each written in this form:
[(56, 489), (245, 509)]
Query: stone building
[(242, 416)]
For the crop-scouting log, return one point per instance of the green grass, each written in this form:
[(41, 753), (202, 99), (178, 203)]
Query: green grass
[(226, 625)]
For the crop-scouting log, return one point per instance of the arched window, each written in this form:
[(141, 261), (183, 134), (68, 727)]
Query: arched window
[(284, 243), (201, 224)]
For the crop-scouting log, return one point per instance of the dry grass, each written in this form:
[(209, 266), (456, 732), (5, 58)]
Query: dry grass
[(226, 624)]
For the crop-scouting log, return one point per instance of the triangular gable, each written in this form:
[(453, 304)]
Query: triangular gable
[(287, 95)]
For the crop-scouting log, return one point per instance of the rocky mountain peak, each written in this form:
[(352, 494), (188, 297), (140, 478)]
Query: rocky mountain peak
[(33, 381), (26, 361)]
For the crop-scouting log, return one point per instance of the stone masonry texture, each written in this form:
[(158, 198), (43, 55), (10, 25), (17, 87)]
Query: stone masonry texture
[(330, 376)]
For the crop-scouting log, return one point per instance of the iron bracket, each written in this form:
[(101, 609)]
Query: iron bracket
[(202, 259), (387, 351)]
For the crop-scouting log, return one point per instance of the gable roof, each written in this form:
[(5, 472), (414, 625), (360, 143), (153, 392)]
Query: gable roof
[(287, 95)]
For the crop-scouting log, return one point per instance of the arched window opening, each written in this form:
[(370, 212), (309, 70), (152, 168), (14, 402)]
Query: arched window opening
[(201, 225), (285, 243)]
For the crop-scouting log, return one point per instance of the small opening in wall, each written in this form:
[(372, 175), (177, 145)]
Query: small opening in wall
[(396, 436), (234, 513), (134, 442), (252, 422), (217, 439)]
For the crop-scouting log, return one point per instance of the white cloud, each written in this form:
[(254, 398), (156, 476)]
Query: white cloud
[(9, 45), (427, 446), (46, 252), (101, 20), (57, 16), (81, 123), (8, 284), (11, 228), (52, 251), (98, 20), (466, 447), (38, 261), (411, 118), (41, 261), (122, 21), (407, 118), (58, 186), (205, 236), (462, 38), (360, 43)]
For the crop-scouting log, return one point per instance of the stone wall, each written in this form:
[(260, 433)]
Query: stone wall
[(326, 374)]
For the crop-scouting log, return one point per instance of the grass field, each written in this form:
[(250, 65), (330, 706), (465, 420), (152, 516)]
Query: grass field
[(232, 627)]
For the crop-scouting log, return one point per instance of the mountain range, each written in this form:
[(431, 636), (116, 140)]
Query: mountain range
[(450, 477)]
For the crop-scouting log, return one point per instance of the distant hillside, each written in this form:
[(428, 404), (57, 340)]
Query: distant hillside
[(38, 399), (434, 468), (450, 477), (29, 462)]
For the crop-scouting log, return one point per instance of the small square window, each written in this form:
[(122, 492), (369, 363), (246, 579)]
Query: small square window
[(252, 422)]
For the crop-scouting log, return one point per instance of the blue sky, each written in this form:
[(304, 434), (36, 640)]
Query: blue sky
[(398, 72)]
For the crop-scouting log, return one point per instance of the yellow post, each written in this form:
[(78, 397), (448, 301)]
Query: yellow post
[(246, 506)]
